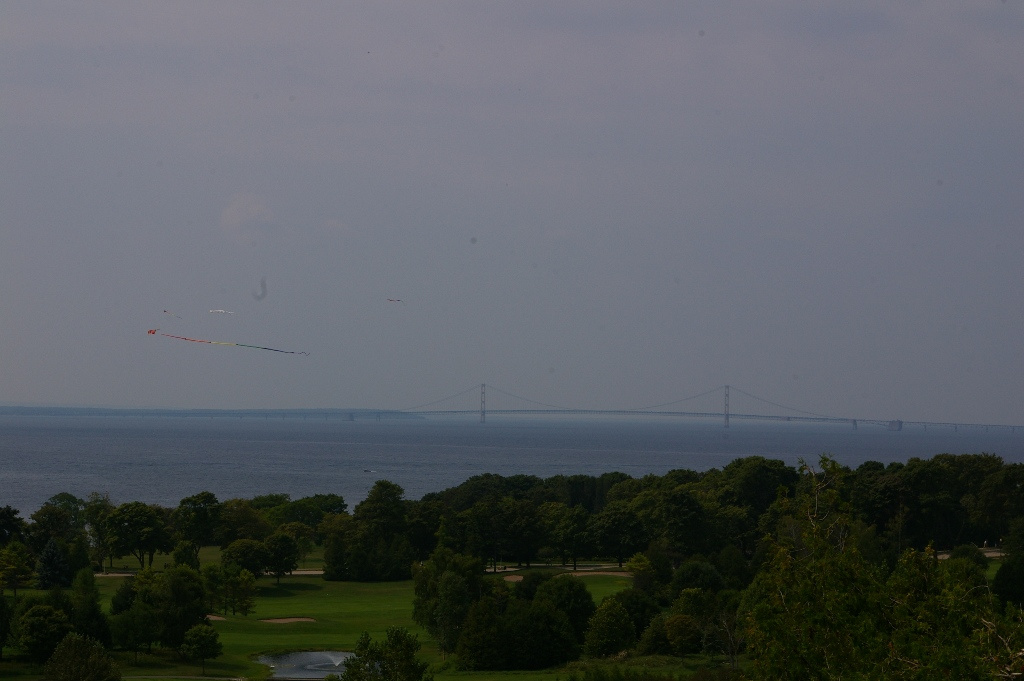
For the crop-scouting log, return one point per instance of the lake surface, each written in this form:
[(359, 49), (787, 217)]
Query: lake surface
[(162, 459)]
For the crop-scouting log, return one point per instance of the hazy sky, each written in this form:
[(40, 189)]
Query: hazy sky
[(589, 204)]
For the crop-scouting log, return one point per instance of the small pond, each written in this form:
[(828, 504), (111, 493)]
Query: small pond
[(306, 665)]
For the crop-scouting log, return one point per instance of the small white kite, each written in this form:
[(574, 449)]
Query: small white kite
[(221, 312)]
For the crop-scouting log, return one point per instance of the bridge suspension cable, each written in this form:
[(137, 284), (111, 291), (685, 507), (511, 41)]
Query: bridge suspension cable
[(525, 399), (780, 406), (443, 399), (685, 399)]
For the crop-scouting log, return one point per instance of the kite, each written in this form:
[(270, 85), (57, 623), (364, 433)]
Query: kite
[(153, 332), (263, 290), (222, 311), (172, 314), (396, 300)]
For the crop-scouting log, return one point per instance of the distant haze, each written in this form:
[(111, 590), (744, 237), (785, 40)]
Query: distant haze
[(588, 204)]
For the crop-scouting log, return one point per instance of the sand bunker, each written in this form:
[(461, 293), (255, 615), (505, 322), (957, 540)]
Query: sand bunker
[(215, 618), (289, 620)]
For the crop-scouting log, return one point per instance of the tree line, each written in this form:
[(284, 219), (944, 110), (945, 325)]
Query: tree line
[(702, 547)]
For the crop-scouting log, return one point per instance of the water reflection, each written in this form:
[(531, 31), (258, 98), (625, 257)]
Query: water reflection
[(314, 664)]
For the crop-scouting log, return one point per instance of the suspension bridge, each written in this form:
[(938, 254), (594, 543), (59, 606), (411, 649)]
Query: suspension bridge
[(723, 404), (719, 403)]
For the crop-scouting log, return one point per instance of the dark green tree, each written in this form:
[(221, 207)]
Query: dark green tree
[(309, 510), (178, 601), (445, 587), (640, 606), (201, 642), (526, 588), (87, 616), (197, 519), (12, 526), (5, 624), (523, 530), (40, 629), (477, 531), (52, 521), (482, 644), (942, 623), (675, 518), (814, 605), (242, 519), (696, 574), (15, 567), (239, 590), (537, 635), (611, 630), (303, 535), (52, 567), (618, 531), (337, 531), (570, 595), (186, 553), (247, 554), (213, 585), (1008, 584), (378, 548), (80, 658), (394, 659), (123, 596), (572, 534), (684, 633), (282, 554), (97, 507), (78, 553), (819, 609), (653, 639), (135, 627), (137, 529)]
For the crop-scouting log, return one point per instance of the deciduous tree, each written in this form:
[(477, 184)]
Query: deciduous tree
[(569, 595), (135, 627), (282, 554), (97, 507), (197, 518), (15, 567), (446, 585), (40, 629), (201, 642), (137, 529), (611, 630), (394, 659), (247, 554), (12, 526)]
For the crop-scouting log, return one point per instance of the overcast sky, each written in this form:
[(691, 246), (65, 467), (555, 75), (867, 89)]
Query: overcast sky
[(588, 204)]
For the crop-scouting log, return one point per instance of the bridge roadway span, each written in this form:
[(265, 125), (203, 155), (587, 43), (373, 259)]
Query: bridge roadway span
[(892, 424)]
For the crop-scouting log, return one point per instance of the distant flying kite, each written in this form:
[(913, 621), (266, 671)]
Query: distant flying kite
[(172, 314), (153, 332), (222, 312), (263, 290), (396, 300)]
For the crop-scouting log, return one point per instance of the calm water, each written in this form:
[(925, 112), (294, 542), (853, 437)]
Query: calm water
[(161, 459)]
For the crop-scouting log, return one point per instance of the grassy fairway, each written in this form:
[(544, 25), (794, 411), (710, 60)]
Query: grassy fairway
[(342, 612)]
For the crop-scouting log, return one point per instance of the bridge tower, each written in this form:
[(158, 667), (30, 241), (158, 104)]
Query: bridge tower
[(483, 402), (726, 408)]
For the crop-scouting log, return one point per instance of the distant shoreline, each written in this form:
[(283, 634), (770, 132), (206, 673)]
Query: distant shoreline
[(129, 412)]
